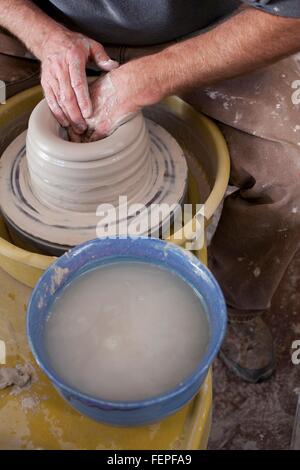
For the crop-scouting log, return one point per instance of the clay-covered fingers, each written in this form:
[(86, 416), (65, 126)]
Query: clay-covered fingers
[(68, 99), (100, 57), (53, 104), (73, 137), (94, 134), (94, 137), (77, 64), (64, 57)]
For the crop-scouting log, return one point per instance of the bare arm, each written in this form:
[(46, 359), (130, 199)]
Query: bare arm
[(244, 42), (28, 23), (241, 44), (63, 55)]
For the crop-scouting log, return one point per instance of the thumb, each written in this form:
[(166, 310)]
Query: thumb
[(100, 57)]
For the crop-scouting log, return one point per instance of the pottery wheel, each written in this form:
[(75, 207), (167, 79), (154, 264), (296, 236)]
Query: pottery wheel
[(54, 229)]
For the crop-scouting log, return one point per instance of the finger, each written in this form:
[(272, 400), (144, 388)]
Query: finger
[(55, 88), (80, 85), (96, 134), (68, 99), (89, 132), (91, 138), (100, 57), (73, 137), (54, 105)]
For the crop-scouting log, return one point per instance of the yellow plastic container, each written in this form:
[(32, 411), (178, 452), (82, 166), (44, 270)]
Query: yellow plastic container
[(26, 266), (38, 417)]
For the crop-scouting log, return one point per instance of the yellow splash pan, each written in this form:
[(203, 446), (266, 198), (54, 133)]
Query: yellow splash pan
[(37, 417)]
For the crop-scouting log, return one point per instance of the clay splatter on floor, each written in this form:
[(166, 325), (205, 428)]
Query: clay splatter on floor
[(261, 416)]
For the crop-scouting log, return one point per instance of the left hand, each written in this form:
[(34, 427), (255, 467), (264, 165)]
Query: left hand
[(64, 55)]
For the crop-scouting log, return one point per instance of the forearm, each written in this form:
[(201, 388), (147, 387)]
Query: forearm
[(241, 44), (28, 23)]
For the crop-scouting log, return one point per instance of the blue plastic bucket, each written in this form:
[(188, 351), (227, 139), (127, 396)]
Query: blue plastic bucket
[(104, 251)]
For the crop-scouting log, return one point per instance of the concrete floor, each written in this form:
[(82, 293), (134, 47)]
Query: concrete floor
[(261, 416)]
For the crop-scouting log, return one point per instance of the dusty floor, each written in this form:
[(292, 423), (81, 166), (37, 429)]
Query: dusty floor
[(261, 416)]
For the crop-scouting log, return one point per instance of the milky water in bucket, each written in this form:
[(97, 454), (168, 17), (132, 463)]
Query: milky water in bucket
[(126, 331)]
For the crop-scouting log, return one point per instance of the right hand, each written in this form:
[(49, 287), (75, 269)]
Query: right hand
[(64, 57)]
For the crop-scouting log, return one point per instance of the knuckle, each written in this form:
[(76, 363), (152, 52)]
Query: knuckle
[(52, 60), (75, 54), (98, 46), (67, 97), (80, 126), (53, 105), (77, 83)]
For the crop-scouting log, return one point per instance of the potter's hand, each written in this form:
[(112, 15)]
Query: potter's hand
[(64, 57), (119, 94), (113, 103)]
